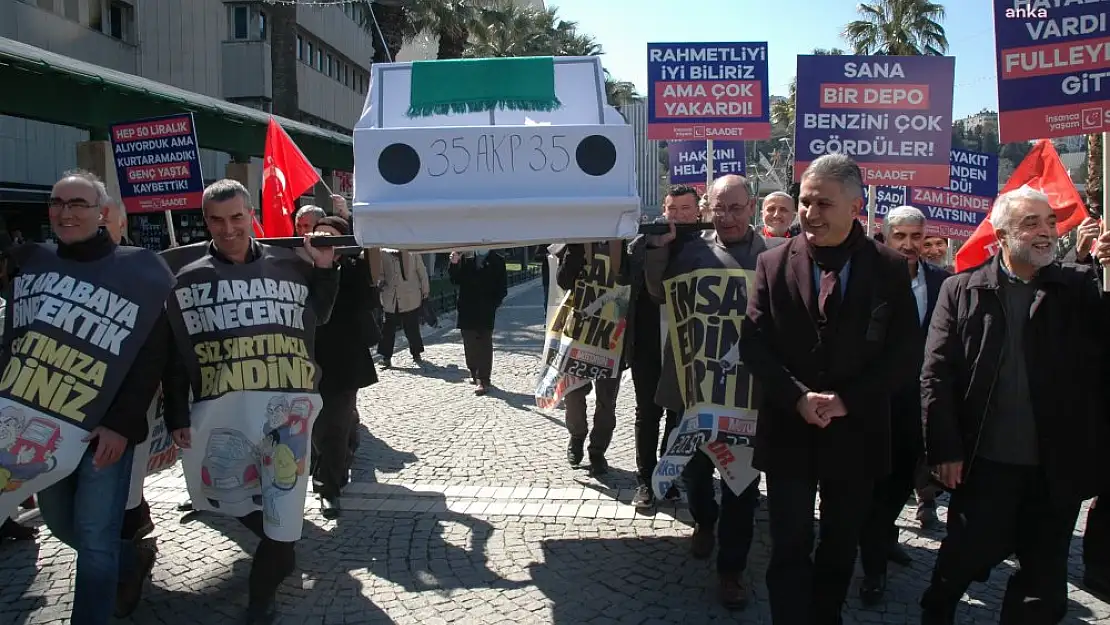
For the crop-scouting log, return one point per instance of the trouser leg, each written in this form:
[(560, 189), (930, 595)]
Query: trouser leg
[(790, 573), (575, 402), (645, 380), (410, 321), (605, 415), (736, 527), (331, 434), (388, 340)]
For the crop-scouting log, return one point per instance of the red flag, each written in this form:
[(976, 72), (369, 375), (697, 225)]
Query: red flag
[(286, 174), (1043, 171)]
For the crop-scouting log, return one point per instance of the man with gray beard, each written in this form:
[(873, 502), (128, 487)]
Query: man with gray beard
[(1018, 439)]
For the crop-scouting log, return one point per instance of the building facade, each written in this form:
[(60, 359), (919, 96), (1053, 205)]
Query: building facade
[(218, 48)]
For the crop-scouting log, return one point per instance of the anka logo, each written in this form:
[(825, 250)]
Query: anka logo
[(1025, 13)]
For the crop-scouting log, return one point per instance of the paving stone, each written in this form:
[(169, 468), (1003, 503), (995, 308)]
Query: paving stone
[(463, 510)]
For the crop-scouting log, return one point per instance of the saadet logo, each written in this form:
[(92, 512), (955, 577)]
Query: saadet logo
[(1093, 119)]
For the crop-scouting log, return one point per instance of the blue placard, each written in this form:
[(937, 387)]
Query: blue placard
[(1053, 78), (956, 210), (158, 164), (708, 91), (891, 114), (687, 160)]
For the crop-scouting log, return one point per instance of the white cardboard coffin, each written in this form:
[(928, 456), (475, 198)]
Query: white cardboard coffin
[(497, 179)]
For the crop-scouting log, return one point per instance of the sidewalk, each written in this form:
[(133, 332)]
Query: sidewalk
[(463, 510)]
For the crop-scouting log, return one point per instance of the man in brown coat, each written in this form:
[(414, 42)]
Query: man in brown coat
[(829, 334)]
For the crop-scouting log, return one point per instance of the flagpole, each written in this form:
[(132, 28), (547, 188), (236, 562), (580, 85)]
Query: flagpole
[(169, 228), (1105, 202), (871, 206)]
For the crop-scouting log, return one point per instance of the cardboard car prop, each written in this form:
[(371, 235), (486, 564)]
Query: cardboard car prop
[(492, 153)]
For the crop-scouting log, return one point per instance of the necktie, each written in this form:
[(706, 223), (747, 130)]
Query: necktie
[(401, 264), (828, 299)]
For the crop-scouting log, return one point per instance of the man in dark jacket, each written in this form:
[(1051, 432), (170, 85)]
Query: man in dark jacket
[(829, 334), (483, 285), (85, 508), (713, 265), (643, 350), (346, 365), (1020, 440), (228, 214), (577, 268), (904, 228)]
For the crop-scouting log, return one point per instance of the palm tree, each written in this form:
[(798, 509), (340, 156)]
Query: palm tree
[(782, 112), (898, 27), (451, 21), (508, 29), (619, 93), (396, 27)]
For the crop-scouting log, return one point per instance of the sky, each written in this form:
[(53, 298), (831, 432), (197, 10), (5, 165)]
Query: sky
[(790, 27)]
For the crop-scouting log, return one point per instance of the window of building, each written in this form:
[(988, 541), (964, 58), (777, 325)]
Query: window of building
[(330, 66), (309, 53), (319, 60), (47, 4), (240, 21), (247, 22), (300, 48), (347, 75), (72, 9), (121, 21)]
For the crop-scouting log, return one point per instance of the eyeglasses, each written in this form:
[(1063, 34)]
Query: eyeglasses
[(735, 212), (77, 206)]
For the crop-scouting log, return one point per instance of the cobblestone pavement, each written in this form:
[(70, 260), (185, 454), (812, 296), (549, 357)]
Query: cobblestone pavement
[(463, 511)]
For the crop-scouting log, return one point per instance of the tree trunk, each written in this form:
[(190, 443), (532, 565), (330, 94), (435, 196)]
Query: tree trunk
[(391, 20), (283, 59), (450, 46), (1094, 171)]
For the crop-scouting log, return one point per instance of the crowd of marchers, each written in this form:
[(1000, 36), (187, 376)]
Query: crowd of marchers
[(882, 377)]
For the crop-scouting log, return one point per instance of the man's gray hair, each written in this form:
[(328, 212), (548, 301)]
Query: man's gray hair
[(224, 190), (782, 194), (309, 209), (840, 168), (902, 216), (1002, 213), (102, 197)]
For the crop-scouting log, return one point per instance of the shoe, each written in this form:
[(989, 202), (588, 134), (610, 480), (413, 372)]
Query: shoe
[(386, 364), (330, 508), (575, 451), (702, 542), (598, 465), (472, 381), (261, 614), (417, 359), (644, 497), (1098, 585), (146, 529), (15, 531), (732, 591), (185, 507), (29, 504), (130, 591), (898, 555), (872, 589), (481, 390), (927, 516)]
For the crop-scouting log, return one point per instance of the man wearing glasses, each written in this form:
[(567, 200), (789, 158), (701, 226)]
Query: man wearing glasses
[(102, 305), (710, 262)]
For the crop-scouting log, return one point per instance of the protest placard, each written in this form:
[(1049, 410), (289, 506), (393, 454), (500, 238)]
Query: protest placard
[(158, 164), (708, 91), (1053, 68), (954, 211), (891, 114), (688, 160)]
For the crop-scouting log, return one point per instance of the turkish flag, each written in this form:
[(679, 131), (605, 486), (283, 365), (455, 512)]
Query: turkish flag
[(1043, 171), (286, 174), (259, 233)]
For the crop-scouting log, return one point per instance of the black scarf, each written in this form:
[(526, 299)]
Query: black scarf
[(831, 261)]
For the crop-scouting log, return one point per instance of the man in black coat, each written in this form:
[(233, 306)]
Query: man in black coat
[(904, 228), (829, 333), (346, 365), (1018, 438), (483, 285), (643, 350)]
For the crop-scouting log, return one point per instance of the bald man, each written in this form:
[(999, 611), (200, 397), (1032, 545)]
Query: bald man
[(732, 246)]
